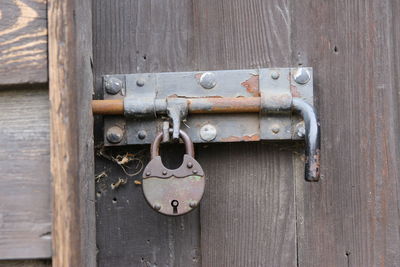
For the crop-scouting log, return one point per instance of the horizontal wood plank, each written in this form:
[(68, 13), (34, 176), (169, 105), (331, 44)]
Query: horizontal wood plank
[(25, 208), (25, 263), (23, 41)]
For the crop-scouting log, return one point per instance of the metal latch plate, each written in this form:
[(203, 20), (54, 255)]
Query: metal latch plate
[(212, 84)]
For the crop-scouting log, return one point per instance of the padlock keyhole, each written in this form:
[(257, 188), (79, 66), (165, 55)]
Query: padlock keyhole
[(175, 204)]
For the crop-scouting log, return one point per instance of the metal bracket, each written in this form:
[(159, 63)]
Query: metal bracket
[(214, 106)]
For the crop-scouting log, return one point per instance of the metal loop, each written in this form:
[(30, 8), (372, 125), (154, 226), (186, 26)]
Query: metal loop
[(155, 146)]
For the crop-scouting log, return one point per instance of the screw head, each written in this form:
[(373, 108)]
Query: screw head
[(157, 206), (275, 75), (208, 80), (164, 172), (275, 129), (114, 135), (189, 164), (140, 82), (193, 204), (112, 85), (301, 132), (301, 76), (142, 134), (208, 132)]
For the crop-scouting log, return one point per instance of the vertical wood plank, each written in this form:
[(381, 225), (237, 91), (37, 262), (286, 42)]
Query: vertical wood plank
[(70, 82), (351, 218), (248, 212), (131, 37)]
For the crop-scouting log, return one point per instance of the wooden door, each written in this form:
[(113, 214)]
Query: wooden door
[(257, 209)]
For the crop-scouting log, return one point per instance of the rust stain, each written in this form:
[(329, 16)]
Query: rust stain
[(194, 97), (252, 85), (245, 138), (315, 165), (294, 91)]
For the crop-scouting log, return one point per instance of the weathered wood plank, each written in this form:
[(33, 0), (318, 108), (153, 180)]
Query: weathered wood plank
[(141, 36), (351, 218), (23, 41), (248, 213), (26, 263), (72, 163), (25, 213)]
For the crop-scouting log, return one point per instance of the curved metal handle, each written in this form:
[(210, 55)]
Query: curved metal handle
[(185, 137), (312, 138)]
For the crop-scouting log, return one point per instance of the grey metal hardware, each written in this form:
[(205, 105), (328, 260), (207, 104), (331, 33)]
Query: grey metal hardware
[(215, 106)]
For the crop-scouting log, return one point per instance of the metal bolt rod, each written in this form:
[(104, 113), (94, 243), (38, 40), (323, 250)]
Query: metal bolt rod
[(312, 138), (195, 105), (108, 107)]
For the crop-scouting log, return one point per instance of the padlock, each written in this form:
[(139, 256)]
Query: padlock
[(173, 192)]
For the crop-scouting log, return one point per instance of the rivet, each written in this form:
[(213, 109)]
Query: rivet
[(301, 75), (189, 164), (157, 206), (140, 82), (195, 171), (207, 80), (275, 129), (112, 85), (164, 172), (114, 135), (301, 132), (208, 132), (142, 134), (148, 173), (193, 204), (275, 75)]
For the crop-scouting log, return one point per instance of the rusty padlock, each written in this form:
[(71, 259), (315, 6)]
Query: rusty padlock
[(173, 192)]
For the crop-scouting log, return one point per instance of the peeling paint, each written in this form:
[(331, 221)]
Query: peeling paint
[(252, 85)]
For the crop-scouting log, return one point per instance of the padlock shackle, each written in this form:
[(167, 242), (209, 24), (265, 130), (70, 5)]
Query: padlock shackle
[(155, 146)]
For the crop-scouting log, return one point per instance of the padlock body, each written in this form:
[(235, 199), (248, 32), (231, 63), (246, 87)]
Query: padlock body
[(173, 192)]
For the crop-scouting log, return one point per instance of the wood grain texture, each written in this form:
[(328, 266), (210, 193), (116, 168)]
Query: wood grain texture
[(71, 87), (237, 228), (141, 36), (25, 263), (351, 218), (23, 41), (25, 210), (248, 212)]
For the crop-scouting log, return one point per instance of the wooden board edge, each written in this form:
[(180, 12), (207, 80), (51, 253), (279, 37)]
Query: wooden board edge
[(71, 137)]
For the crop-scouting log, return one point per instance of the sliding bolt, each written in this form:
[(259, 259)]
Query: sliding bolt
[(114, 135), (112, 85)]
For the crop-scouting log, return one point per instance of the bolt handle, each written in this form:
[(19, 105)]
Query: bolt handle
[(312, 139)]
